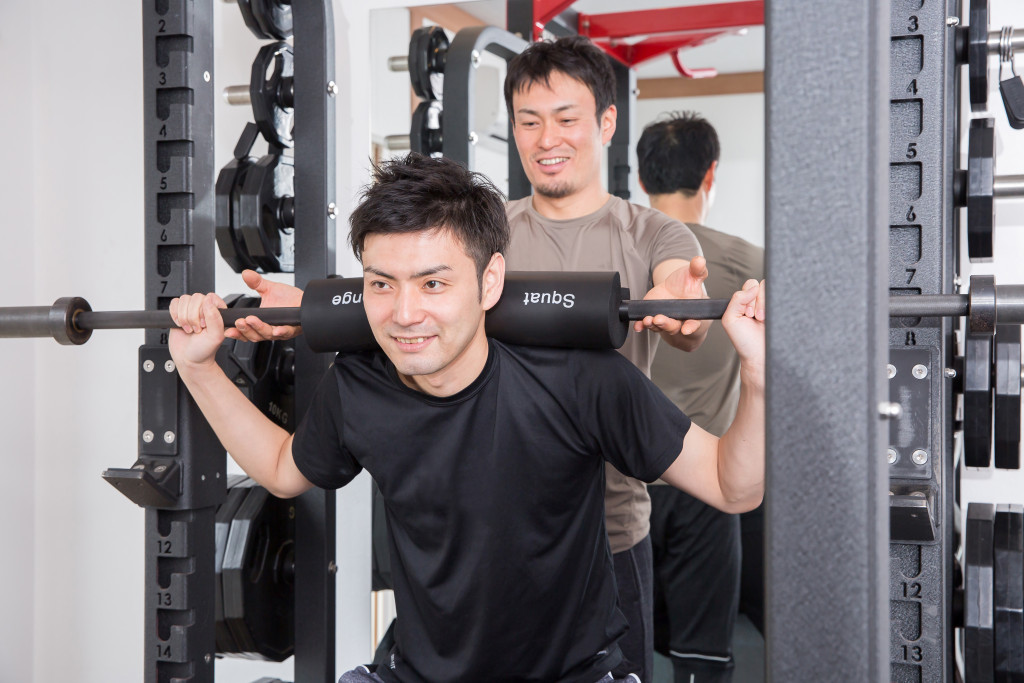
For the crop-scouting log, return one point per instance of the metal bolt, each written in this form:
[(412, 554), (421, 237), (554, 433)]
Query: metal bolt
[(291, 512), (919, 457), (473, 138), (889, 410), (332, 568), (952, 21), (138, 466), (949, 373), (206, 76), (169, 366), (475, 58), (893, 456), (332, 211), (890, 370), (207, 658), (332, 88), (218, 475), (160, 468), (147, 436), (168, 437), (920, 371), (202, 477), (148, 365), (957, 282)]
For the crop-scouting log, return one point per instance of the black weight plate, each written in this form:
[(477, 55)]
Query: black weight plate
[(272, 70), (263, 371), (1007, 403), (428, 49), (1009, 592), (978, 400), (274, 18), (229, 240), (238, 488), (977, 54), (422, 137), (979, 617), (269, 241), (981, 172), (267, 19), (258, 574)]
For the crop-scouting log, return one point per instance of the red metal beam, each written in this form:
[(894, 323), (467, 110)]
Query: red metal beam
[(546, 10), (655, 46), (619, 25)]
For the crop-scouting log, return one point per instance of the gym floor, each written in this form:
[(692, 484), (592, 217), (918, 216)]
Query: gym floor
[(748, 651)]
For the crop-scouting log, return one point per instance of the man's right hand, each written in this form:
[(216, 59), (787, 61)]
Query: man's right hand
[(202, 329), (273, 295)]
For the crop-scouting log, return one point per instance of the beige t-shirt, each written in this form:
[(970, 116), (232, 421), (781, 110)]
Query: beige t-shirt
[(705, 383), (622, 237)]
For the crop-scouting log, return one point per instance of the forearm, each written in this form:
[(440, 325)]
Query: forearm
[(741, 449), (688, 342), (257, 444)]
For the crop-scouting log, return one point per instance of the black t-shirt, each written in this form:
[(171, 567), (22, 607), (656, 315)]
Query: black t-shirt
[(495, 500)]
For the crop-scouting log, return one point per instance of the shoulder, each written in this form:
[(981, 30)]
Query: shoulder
[(517, 209)]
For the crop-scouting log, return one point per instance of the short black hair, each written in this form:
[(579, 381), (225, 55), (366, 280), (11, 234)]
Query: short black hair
[(417, 192), (574, 56), (674, 154)]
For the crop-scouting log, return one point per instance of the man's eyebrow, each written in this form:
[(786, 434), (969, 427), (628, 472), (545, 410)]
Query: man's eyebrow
[(556, 110), (433, 270)]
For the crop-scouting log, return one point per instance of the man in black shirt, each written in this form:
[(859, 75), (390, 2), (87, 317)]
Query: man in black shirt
[(489, 457)]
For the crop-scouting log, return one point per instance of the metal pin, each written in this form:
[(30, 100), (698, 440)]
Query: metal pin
[(332, 211), (887, 410), (332, 88)]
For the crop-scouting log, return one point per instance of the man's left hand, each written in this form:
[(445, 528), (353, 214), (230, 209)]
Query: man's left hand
[(686, 282)]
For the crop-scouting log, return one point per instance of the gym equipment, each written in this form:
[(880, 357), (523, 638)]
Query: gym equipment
[(1011, 89), (238, 488), (256, 209), (230, 242), (974, 44), (271, 92), (993, 593), (264, 371), (424, 133), (978, 187), (576, 310), (257, 576), (428, 53), (267, 19)]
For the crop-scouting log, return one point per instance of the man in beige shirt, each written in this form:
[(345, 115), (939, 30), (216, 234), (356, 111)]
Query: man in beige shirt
[(697, 549)]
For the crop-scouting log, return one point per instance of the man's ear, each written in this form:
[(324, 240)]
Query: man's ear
[(608, 119), (493, 281), (709, 177)]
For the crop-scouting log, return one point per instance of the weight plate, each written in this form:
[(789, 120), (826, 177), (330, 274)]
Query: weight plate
[(266, 231), (978, 400), (1009, 592), (977, 54), (238, 488), (258, 576), (267, 19), (979, 617), (981, 172), (422, 137), (229, 240), (263, 371), (428, 50), (272, 76), (1007, 403)]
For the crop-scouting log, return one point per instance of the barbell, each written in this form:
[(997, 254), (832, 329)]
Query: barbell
[(559, 309)]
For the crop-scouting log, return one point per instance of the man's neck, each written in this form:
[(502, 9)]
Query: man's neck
[(683, 209), (576, 205)]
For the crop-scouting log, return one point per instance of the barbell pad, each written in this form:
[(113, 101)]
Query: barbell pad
[(560, 309), (555, 309)]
